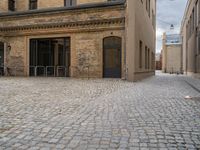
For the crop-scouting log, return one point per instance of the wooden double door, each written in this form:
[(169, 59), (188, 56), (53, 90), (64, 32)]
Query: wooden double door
[(112, 57)]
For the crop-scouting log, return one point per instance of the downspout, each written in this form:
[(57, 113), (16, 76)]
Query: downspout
[(181, 69), (196, 48), (186, 52), (186, 57)]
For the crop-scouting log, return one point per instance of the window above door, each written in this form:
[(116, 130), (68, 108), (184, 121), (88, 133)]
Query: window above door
[(68, 3), (33, 4), (11, 5)]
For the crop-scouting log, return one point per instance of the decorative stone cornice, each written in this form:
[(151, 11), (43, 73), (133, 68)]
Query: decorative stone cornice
[(2, 39), (78, 24)]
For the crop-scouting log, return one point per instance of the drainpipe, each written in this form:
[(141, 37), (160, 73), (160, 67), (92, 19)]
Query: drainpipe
[(125, 36), (196, 49), (181, 70), (186, 55)]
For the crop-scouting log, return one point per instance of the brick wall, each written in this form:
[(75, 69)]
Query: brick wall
[(23, 5), (3, 6)]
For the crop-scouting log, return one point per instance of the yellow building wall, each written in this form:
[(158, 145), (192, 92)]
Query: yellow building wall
[(173, 58), (86, 41), (23, 5), (191, 55), (89, 1), (16, 56), (50, 3), (139, 28), (3, 6)]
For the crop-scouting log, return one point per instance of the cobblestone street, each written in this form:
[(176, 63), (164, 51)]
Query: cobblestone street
[(59, 113)]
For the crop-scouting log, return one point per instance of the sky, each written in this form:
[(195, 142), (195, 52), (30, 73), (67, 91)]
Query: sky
[(168, 12)]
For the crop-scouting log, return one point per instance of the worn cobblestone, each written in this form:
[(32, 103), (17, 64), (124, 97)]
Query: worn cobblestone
[(59, 113)]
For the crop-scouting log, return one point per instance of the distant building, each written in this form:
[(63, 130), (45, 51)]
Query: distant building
[(172, 53), (159, 61), (190, 32), (78, 38)]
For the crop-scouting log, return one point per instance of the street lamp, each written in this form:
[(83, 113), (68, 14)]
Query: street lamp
[(171, 27)]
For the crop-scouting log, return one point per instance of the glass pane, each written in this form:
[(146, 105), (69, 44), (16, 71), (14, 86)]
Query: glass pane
[(51, 56)]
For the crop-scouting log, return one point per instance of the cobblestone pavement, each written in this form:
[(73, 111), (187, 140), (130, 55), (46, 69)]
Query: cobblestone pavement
[(59, 113)]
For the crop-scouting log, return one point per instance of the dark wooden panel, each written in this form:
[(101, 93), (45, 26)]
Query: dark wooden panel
[(112, 57)]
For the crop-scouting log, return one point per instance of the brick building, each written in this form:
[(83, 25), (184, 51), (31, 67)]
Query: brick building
[(78, 38)]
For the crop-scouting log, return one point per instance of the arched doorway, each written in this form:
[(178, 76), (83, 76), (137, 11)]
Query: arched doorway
[(112, 57), (1, 58)]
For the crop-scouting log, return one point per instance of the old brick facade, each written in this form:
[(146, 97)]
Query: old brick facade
[(87, 24)]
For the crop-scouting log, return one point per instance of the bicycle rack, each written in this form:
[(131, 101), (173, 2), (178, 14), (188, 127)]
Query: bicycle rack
[(50, 68), (48, 71), (61, 68), (39, 67)]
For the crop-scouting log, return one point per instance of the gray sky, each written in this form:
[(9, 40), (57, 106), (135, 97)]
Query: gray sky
[(168, 12)]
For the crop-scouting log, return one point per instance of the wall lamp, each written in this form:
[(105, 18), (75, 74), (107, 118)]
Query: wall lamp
[(9, 47)]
